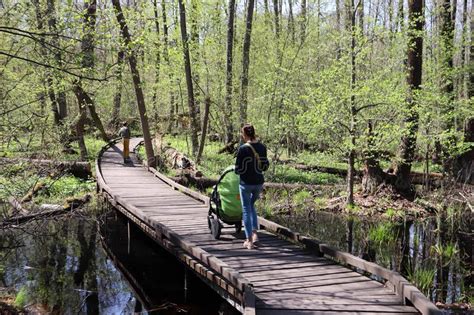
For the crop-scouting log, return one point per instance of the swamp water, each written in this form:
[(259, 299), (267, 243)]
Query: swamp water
[(67, 265), (434, 253)]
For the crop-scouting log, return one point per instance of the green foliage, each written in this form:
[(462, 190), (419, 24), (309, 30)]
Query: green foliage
[(21, 298), (445, 252), (66, 186), (422, 277), (287, 174), (384, 233), (394, 214), (301, 197)]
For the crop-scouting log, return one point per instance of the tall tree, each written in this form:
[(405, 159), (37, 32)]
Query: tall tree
[(291, 21), (229, 129), (447, 13), (189, 79), (351, 16), (114, 121), (276, 17), (246, 62), (158, 51), (168, 62), (400, 16), (47, 72), (52, 25), (136, 82), (166, 56), (303, 19), (414, 76), (87, 64)]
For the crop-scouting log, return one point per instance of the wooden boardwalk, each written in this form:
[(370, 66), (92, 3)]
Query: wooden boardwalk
[(286, 274)]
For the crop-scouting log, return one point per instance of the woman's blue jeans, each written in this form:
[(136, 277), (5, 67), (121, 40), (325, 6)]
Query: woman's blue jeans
[(248, 195)]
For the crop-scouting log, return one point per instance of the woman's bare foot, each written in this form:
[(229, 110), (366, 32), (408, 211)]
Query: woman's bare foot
[(248, 244), (254, 237)]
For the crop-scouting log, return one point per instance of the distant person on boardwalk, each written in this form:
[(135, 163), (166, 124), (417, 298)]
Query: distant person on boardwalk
[(250, 164), (124, 132)]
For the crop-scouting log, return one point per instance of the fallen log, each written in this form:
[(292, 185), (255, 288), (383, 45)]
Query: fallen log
[(48, 210), (417, 178), (16, 205), (78, 169), (229, 148), (177, 160)]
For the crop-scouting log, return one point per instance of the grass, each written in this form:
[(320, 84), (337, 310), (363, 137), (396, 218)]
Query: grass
[(383, 234), (21, 298), (65, 187), (422, 277)]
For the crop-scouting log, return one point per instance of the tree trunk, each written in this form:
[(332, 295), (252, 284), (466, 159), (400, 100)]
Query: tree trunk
[(414, 76), (48, 75), (463, 166), (373, 174), (167, 60), (86, 101), (194, 39), (351, 15), (189, 80), (61, 95), (400, 16), (360, 14), (229, 129), (338, 27), (447, 41), (136, 82), (81, 121), (115, 121), (464, 48), (204, 128), (291, 21), (277, 18), (158, 52), (303, 20), (470, 90), (390, 15), (246, 62)]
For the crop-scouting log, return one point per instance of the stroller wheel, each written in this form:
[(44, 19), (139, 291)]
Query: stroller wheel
[(215, 228), (238, 227)]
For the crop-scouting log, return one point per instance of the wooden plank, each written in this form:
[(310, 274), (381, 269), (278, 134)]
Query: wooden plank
[(329, 299), (299, 304), (331, 312)]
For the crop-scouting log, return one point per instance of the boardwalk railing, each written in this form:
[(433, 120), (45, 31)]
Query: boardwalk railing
[(207, 265), (409, 294)]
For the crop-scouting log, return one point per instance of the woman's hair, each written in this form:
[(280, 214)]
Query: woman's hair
[(249, 131)]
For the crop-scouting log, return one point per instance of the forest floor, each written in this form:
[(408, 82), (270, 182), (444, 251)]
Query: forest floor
[(326, 192)]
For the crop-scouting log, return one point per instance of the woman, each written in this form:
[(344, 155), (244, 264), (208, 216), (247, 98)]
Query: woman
[(250, 164)]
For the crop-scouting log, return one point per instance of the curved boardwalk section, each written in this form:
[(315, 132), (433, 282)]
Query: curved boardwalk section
[(286, 274)]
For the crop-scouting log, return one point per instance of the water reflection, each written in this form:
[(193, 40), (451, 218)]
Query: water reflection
[(61, 266), (435, 254)]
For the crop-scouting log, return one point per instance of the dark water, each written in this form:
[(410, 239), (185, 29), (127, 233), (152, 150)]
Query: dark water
[(435, 253), (69, 266)]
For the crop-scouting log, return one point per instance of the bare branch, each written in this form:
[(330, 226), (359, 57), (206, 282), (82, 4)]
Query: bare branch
[(54, 67)]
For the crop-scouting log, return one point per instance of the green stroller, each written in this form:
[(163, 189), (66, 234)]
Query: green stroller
[(225, 206)]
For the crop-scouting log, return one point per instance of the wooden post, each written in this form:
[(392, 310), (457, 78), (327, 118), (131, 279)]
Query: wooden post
[(249, 300)]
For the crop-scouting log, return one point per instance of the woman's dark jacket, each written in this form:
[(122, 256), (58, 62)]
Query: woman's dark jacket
[(247, 165)]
